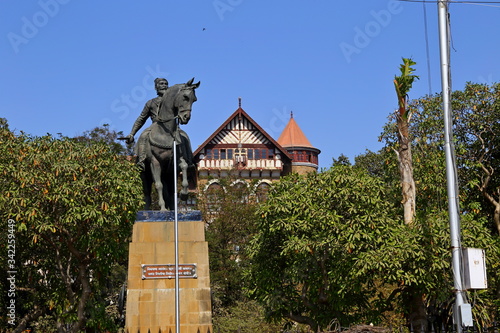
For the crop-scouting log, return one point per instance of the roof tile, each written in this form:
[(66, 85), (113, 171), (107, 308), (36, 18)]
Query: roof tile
[(292, 136)]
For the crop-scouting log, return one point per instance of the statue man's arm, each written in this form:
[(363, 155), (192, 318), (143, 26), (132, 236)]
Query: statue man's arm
[(141, 120)]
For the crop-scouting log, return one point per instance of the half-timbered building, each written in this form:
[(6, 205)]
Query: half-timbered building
[(241, 149)]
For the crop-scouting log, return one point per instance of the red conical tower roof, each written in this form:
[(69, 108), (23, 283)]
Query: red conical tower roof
[(292, 136)]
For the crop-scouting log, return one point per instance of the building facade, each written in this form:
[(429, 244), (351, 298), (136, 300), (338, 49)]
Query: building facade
[(241, 149)]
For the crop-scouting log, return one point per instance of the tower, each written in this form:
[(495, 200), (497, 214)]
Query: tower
[(304, 155)]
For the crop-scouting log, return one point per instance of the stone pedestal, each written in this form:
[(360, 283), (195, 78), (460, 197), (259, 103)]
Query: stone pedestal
[(151, 301)]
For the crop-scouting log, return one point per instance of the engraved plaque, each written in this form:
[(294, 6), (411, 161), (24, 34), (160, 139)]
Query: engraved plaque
[(167, 271)]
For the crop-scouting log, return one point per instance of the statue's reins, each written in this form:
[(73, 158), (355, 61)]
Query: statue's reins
[(161, 122)]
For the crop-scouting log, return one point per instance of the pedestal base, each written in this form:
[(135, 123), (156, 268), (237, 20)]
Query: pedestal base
[(151, 301)]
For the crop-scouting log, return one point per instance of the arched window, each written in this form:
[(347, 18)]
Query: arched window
[(212, 195), (261, 191), (240, 190)]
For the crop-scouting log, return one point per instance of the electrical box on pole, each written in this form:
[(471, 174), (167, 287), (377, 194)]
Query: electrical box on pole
[(466, 315), (474, 266)]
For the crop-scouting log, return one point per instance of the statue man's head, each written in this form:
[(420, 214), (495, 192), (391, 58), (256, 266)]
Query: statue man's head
[(161, 85)]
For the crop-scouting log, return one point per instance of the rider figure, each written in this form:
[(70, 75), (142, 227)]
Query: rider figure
[(150, 111)]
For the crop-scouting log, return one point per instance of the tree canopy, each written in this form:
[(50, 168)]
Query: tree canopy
[(312, 232), (476, 127), (73, 204), (476, 120), (333, 245)]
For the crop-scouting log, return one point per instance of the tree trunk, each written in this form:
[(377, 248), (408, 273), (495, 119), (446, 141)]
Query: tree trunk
[(32, 316), (304, 320), (496, 204), (496, 217), (82, 302), (417, 317), (406, 170), (491, 197)]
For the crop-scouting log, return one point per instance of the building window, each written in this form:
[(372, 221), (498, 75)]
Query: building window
[(270, 154), (301, 156), (223, 154), (262, 191), (240, 155), (260, 154), (213, 195), (240, 189), (191, 201)]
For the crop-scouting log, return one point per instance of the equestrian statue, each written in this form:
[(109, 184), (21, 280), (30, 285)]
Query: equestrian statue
[(154, 148)]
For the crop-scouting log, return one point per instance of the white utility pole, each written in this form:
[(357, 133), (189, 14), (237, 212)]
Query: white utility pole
[(461, 313), (176, 241)]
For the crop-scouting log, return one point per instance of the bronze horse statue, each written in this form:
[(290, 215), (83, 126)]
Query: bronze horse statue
[(174, 109)]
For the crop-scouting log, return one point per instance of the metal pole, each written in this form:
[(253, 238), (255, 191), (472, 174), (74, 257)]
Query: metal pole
[(451, 174), (176, 241)]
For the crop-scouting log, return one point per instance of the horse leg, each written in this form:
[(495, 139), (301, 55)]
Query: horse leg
[(143, 151), (157, 177), (147, 184), (169, 180), (169, 187), (185, 183)]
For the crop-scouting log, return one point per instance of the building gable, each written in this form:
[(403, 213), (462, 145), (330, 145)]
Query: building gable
[(241, 129)]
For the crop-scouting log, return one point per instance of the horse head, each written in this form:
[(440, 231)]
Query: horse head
[(184, 100)]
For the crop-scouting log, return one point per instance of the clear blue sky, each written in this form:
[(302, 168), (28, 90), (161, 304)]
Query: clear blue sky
[(68, 66)]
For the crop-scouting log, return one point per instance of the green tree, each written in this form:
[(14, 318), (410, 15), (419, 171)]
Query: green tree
[(307, 255), (372, 162), (108, 136), (245, 316), (342, 160), (228, 207), (477, 128), (73, 204), (476, 122), (427, 141)]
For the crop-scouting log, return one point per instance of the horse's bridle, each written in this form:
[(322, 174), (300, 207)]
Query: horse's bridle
[(159, 120)]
